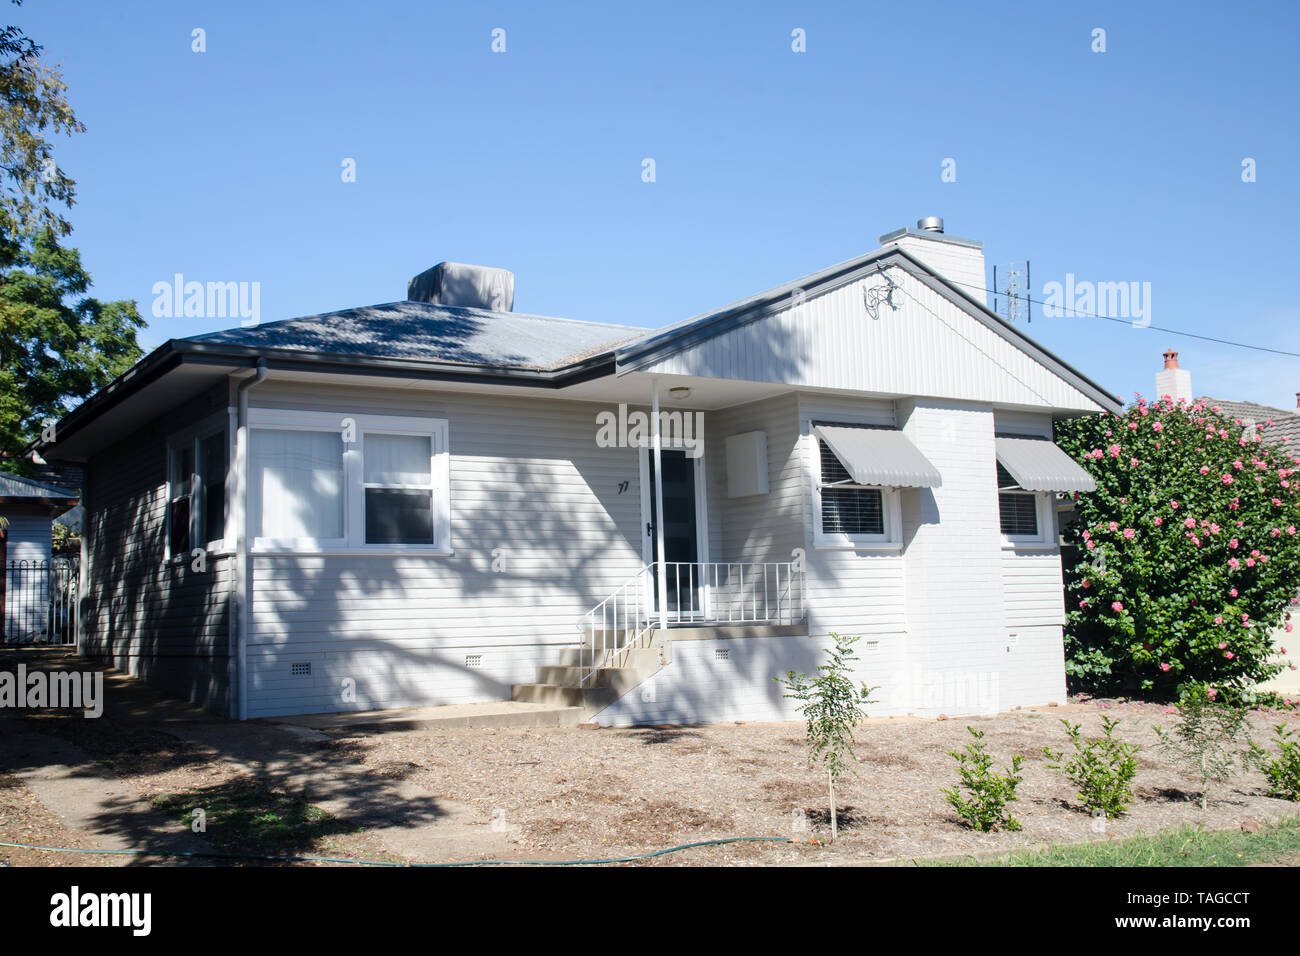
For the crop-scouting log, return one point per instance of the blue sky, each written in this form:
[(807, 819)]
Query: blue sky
[(1116, 166)]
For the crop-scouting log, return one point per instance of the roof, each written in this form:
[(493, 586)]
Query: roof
[(879, 456), (440, 333), (1037, 464), (14, 486), (1286, 423)]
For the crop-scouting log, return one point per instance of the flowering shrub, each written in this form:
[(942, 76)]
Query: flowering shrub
[(1191, 550)]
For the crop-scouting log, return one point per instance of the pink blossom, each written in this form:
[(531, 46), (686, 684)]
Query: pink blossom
[(1229, 655), (1164, 667), (1233, 543), (1205, 469), (1117, 607), (1174, 505), (1159, 521), (1212, 693), (1091, 545), (1129, 533), (1234, 563), (1114, 526), (1227, 479), (1114, 451), (1158, 426), (1233, 592), (1219, 620), (1189, 522)]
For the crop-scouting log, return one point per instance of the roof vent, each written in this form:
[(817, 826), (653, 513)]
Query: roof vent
[(930, 224), (472, 287)]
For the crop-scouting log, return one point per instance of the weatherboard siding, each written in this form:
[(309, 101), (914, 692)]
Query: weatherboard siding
[(927, 346), (153, 618), (528, 482)]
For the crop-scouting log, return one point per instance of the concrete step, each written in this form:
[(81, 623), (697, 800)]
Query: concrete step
[(548, 694), (498, 713)]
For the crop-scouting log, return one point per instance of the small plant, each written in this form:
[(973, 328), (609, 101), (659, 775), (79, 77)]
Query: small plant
[(1102, 768), (832, 705), (1282, 771), (1211, 743), (990, 792)]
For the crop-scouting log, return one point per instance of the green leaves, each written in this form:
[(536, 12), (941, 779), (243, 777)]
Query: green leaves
[(983, 807), (1196, 542), (1211, 742), (1283, 770), (57, 345), (1102, 768), (832, 706)]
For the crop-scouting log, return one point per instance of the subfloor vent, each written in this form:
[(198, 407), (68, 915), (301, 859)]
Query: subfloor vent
[(301, 669), (473, 660), (722, 654)]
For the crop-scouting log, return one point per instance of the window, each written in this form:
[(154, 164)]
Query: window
[(848, 508), (295, 484), (196, 491), (1020, 512), (398, 484), (849, 514), (326, 482)]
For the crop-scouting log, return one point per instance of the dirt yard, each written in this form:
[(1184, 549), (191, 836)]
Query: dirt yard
[(564, 794)]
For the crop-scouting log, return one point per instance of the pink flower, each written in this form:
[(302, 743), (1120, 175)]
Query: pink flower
[(1189, 522), (1233, 543), (1233, 592), (1159, 521), (1129, 533), (1227, 479), (1117, 607), (1205, 469), (1212, 692), (1164, 667), (1114, 451), (1087, 582), (1157, 426), (1219, 620), (1234, 563), (1229, 655), (1091, 545), (1174, 505)]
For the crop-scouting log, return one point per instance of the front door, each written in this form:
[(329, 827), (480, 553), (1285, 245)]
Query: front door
[(681, 530)]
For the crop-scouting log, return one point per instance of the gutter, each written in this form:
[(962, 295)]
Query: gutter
[(237, 656)]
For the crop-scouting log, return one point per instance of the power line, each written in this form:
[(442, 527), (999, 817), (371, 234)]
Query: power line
[(1129, 322)]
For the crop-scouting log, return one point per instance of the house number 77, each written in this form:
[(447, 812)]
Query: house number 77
[(623, 486)]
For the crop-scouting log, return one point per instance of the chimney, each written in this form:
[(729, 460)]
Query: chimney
[(472, 287), (1297, 399), (960, 261), (1172, 380)]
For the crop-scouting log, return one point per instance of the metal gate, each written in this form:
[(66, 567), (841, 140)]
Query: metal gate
[(38, 603)]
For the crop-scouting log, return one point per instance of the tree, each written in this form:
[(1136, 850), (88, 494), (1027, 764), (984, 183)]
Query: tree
[(1190, 550), (831, 705), (57, 345), (32, 105)]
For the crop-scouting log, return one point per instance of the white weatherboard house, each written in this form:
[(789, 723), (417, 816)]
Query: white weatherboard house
[(442, 501)]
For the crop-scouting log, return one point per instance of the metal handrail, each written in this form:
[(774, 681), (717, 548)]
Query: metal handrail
[(699, 593)]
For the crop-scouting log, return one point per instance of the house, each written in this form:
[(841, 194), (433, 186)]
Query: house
[(440, 500), (1278, 426), (28, 507)]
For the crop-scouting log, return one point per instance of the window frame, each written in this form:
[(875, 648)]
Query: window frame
[(357, 426), (1044, 512), (193, 439), (890, 507)]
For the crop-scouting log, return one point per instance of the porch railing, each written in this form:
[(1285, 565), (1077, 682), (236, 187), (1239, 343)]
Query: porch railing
[(697, 593)]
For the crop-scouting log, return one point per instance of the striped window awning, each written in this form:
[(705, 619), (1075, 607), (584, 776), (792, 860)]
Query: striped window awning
[(1037, 464), (879, 456)]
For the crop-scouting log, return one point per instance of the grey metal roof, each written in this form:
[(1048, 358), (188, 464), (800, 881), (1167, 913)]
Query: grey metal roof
[(443, 333), (1286, 423), (879, 456), (1038, 465), (13, 486)]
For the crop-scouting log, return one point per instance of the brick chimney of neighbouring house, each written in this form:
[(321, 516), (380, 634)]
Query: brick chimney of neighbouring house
[(1172, 380)]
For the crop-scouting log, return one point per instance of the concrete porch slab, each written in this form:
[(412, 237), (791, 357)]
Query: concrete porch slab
[(499, 713)]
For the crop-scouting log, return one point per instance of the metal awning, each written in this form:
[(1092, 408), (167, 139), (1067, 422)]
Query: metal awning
[(1038, 465), (879, 456)]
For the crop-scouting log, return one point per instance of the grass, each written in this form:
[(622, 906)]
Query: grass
[(1188, 845), (244, 817)]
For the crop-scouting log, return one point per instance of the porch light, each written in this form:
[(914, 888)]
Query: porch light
[(679, 392)]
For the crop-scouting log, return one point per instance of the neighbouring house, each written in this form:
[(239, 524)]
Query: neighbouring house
[(440, 500), (28, 508), (1277, 426)]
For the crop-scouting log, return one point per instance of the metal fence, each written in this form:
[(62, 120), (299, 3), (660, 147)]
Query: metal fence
[(38, 604)]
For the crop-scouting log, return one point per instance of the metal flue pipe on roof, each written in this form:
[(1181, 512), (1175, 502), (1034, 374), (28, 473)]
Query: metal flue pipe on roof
[(930, 224)]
